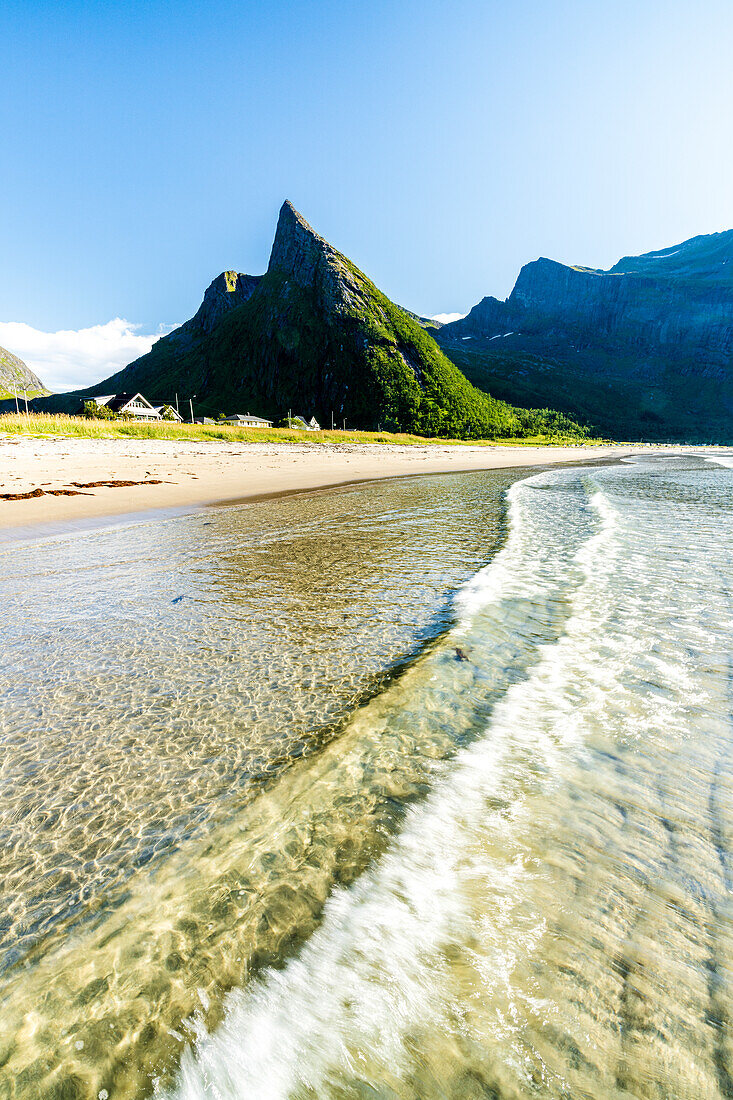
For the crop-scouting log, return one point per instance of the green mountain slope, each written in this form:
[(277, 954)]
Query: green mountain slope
[(17, 378), (315, 336)]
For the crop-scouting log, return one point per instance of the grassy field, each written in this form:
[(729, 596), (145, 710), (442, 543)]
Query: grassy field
[(45, 425)]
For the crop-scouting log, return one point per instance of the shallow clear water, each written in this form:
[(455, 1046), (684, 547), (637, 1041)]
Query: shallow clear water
[(505, 872), (158, 676)]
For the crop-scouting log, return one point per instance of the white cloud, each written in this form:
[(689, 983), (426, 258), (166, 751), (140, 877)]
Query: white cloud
[(74, 358), (446, 318)]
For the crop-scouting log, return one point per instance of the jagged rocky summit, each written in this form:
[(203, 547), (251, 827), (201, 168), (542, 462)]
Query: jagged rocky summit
[(313, 334), (17, 378), (642, 350)]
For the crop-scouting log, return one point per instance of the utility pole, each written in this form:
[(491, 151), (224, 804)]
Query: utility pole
[(15, 394), (344, 423), (190, 402), (25, 398), (177, 409), (333, 424)]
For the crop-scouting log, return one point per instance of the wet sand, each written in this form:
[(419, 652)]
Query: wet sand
[(169, 474)]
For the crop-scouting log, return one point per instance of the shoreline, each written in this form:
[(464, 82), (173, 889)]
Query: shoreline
[(173, 477)]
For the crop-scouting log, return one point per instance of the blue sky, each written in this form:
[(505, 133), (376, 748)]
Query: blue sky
[(146, 146)]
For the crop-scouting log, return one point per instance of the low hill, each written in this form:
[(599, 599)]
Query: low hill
[(643, 350), (17, 378), (315, 335)]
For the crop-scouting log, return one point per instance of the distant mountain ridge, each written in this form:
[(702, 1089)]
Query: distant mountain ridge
[(315, 335), (644, 348), (708, 256)]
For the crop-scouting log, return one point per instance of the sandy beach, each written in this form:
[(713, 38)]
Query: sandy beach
[(164, 474)]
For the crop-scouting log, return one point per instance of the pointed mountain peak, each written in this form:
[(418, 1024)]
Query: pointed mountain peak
[(297, 249), (289, 216)]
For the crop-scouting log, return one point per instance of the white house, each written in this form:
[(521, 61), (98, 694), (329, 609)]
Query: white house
[(304, 425), (132, 404), (248, 421), (170, 413)]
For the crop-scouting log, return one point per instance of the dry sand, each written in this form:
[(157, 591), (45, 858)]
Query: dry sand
[(192, 474)]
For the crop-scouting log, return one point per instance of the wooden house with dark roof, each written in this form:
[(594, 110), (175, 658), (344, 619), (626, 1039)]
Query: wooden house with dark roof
[(134, 404)]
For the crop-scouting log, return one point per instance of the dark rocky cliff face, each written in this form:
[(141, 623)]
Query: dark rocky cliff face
[(638, 308), (642, 309), (638, 330), (228, 291), (305, 258)]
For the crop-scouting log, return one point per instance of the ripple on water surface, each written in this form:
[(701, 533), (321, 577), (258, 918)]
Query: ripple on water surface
[(160, 674), (551, 914), (554, 919)]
